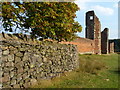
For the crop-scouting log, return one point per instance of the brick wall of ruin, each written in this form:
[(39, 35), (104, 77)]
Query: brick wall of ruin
[(97, 35), (111, 46), (90, 25), (93, 30), (84, 45), (104, 41)]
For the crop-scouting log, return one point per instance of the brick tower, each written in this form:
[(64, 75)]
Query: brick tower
[(93, 30), (104, 41)]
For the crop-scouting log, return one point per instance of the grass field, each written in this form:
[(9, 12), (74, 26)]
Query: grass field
[(95, 71)]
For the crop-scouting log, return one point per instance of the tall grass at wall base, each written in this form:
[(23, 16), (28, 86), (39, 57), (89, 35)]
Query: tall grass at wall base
[(89, 65)]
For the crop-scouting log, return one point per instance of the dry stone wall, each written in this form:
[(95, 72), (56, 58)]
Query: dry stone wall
[(24, 61)]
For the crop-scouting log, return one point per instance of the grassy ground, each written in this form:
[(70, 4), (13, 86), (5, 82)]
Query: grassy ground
[(95, 71)]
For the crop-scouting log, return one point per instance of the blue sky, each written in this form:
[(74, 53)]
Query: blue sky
[(106, 11)]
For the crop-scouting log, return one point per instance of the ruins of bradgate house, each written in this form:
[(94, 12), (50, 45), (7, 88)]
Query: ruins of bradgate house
[(95, 41), (93, 30), (114, 45)]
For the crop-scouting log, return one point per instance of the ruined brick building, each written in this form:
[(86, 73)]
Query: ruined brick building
[(93, 30), (96, 42)]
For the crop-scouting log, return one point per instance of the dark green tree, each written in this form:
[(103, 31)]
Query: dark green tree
[(53, 20)]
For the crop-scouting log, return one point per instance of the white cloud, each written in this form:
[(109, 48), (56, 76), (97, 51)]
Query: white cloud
[(103, 10), (82, 4), (99, 9), (115, 5)]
